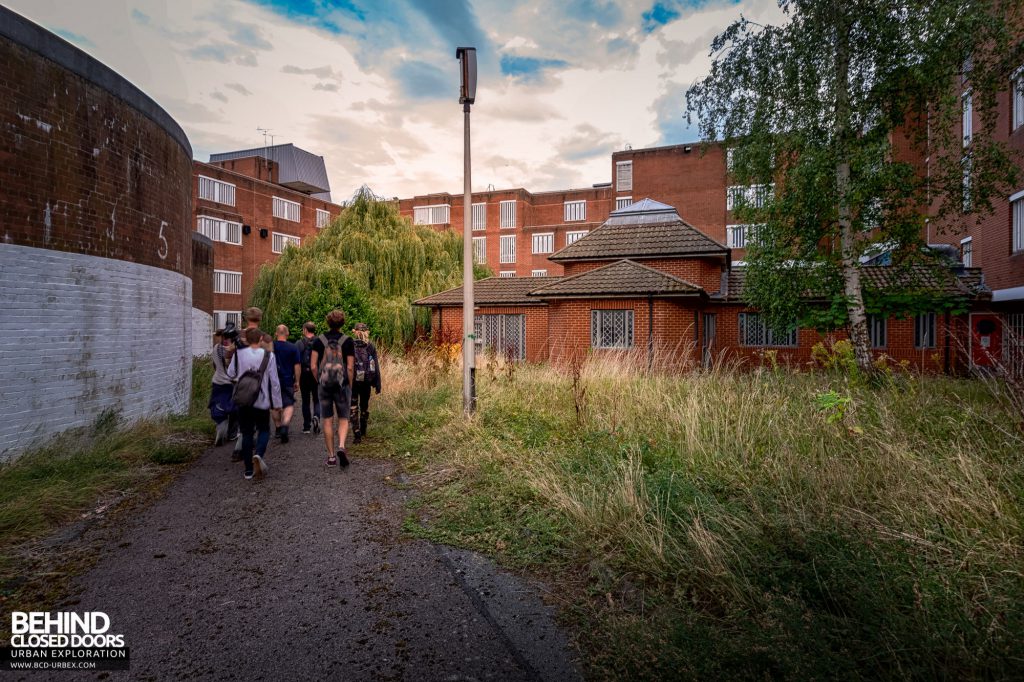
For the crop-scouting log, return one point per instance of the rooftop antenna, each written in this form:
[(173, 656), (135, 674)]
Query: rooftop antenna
[(266, 150)]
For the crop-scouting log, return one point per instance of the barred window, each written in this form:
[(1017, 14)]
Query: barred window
[(924, 330), (479, 216), (967, 252), (289, 210), (480, 249), (508, 249), (622, 202), (222, 317), (508, 213), (215, 190), (611, 328), (967, 167), (575, 211), (323, 218), (572, 237), (544, 243), (227, 282), (280, 241), (219, 230), (1017, 211), (438, 214), (750, 196), (623, 176), (739, 236), (754, 331), (507, 274), (1018, 98), (503, 334), (878, 330), (967, 119), (539, 273)]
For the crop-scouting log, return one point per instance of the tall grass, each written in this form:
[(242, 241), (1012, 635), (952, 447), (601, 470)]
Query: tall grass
[(735, 524)]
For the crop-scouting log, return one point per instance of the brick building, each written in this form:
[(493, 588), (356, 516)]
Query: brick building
[(254, 203)]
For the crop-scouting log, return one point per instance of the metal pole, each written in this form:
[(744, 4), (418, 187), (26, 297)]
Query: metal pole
[(468, 317)]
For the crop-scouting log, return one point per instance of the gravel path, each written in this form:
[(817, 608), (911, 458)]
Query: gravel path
[(305, 576)]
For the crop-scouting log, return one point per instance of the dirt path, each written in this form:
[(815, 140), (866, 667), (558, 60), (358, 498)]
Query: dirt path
[(305, 576)]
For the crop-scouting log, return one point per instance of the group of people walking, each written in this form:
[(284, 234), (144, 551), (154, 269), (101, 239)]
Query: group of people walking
[(256, 378)]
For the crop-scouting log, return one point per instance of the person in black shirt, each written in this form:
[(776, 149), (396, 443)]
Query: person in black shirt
[(367, 376), (335, 400), (307, 381)]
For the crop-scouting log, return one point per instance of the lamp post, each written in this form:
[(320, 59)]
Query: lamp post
[(467, 95)]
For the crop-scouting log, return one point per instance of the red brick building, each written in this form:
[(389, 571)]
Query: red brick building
[(253, 204)]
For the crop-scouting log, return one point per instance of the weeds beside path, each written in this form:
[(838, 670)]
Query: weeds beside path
[(735, 524)]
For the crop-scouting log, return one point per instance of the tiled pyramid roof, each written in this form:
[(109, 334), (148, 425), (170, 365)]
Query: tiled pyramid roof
[(968, 282), (623, 277), (492, 291)]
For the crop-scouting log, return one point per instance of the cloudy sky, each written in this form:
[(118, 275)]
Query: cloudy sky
[(372, 85)]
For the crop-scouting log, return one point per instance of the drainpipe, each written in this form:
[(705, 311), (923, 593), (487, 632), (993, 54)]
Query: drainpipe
[(650, 333), (946, 335), (696, 328)]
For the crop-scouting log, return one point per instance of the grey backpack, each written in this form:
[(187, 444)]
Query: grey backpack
[(248, 387)]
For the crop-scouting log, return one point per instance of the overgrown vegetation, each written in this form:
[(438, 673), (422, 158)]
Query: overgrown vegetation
[(735, 525), (372, 263)]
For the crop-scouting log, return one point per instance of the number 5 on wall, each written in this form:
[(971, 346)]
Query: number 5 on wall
[(162, 251)]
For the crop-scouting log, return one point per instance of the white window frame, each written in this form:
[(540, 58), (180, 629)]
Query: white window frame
[(508, 249), (764, 333), (480, 249), (1017, 221), (216, 190), (924, 331), (221, 280), (543, 242), (878, 331), (279, 241), (730, 161), (539, 273), (754, 195), (575, 211), (620, 317), (574, 236), (287, 209), (739, 235), (967, 252), (434, 214), (967, 116), (967, 167), (622, 202), (1017, 99), (222, 317), (219, 230), (623, 176), (508, 213), (507, 274), (323, 218), (480, 216)]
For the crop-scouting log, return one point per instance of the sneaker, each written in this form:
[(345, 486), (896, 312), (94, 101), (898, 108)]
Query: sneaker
[(259, 466), (316, 425), (331, 461), (284, 437), (247, 475), (305, 429), (342, 457)]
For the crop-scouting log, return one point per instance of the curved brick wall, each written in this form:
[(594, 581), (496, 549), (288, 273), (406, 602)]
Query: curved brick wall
[(96, 253)]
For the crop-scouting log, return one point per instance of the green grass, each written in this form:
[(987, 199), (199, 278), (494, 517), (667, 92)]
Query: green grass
[(736, 524)]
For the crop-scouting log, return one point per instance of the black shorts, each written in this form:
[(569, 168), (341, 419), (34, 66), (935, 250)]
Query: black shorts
[(335, 401), (287, 395)]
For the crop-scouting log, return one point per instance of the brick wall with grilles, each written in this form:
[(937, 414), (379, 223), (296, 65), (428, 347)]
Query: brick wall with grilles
[(95, 243)]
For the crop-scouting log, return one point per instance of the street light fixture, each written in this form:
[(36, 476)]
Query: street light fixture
[(467, 96)]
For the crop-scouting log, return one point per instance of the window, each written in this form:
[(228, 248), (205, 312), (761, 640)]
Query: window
[(1017, 212), (479, 216), (623, 202), (730, 159), (751, 196), (571, 237), (508, 249), (282, 240), (924, 330), (623, 176), (289, 210), (966, 165), (480, 249), (611, 328), (227, 282), (431, 215), (219, 230), (967, 252), (1018, 99), (544, 243), (878, 330), (507, 274), (539, 273), (222, 317), (503, 334), (575, 211), (508, 213), (1013, 343), (967, 118), (754, 331), (215, 190), (738, 236), (323, 218)]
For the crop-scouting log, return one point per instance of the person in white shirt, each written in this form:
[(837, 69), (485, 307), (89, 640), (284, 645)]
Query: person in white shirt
[(254, 422)]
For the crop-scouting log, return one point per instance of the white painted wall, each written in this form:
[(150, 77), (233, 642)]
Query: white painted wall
[(202, 333), (80, 334)]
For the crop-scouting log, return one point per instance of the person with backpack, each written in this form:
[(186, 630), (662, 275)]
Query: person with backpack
[(253, 317), (307, 380), (222, 410), (287, 356), (367, 376), (333, 364), (257, 391)]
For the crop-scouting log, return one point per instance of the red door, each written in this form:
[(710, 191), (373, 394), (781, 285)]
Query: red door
[(986, 340)]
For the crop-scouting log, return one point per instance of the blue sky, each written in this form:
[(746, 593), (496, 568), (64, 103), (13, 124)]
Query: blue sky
[(373, 85)]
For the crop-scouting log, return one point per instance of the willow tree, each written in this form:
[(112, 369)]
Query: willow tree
[(370, 262), (847, 116)]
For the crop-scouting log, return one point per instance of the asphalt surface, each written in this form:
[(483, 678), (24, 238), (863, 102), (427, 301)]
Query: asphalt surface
[(305, 575)]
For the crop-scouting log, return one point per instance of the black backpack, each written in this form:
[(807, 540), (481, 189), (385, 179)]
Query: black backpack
[(248, 387), (306, 361), (365, 364)]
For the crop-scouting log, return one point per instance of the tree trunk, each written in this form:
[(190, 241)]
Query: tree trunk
[(849, 262)]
